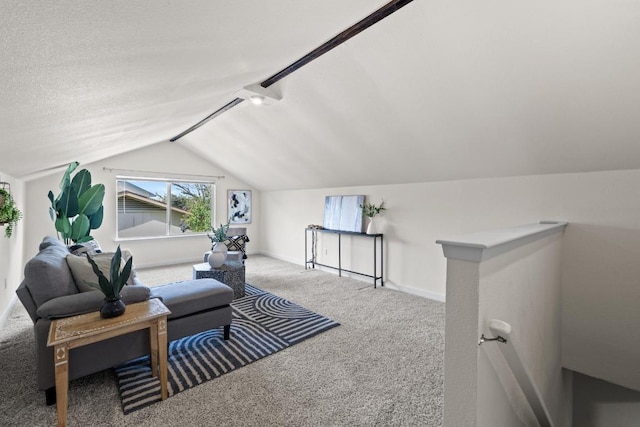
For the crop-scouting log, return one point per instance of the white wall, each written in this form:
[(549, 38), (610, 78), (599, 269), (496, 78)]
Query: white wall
[(597, 403), (11, 261), (601, 247), (167, 158)]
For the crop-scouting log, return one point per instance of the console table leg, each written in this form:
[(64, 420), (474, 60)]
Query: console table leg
[(381, 261), (375, 261)]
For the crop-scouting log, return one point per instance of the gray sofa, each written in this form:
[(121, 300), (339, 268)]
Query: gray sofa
[(49, 291)]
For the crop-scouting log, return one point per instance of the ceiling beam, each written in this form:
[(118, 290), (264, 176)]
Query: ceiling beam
[(332, 43), (336, 41), (209, 117)]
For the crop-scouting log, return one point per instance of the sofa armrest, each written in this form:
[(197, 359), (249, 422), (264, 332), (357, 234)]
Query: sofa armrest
[(85, 302), (27, 301)]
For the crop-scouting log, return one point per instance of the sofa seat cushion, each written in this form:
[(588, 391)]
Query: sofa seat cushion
[(47, 274), (191, 296)]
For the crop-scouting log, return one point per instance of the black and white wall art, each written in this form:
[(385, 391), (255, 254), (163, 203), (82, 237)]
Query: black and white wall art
[(239, 206)]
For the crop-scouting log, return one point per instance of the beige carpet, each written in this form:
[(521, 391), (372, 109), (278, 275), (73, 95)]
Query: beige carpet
[(382, 367)]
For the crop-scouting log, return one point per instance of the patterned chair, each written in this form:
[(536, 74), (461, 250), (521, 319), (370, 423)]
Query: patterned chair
[(236, 242)]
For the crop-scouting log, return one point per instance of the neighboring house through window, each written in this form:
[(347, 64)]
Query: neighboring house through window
[(155, 208)]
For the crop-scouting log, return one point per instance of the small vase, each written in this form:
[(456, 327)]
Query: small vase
[(371, 228), (218, 255), (112, 307)]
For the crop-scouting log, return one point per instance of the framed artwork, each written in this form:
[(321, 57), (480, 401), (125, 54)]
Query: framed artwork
[(343, 213), (239, 206)]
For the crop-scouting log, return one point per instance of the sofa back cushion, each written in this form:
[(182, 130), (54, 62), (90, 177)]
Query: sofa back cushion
[(47, 275), (51, 241)]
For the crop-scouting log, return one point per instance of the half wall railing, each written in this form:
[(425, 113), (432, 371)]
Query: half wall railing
[(513, 274), (509, 348)]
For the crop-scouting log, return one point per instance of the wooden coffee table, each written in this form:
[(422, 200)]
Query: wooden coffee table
[(76, 331)]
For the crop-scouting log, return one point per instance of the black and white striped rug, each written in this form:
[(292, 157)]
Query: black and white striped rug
[(262, 324)]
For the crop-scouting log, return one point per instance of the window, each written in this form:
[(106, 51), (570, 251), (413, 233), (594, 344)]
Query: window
[(154, 208)]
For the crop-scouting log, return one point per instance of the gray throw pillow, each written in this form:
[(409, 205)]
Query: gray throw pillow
[(83, 272)]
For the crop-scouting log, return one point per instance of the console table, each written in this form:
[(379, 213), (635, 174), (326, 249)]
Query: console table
[(313, 262)]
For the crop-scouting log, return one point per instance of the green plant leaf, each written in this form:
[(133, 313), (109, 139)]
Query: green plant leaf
[(95, 220), (66, 178), (90, 201), (124, 275), (63, 227), (68, 203), (115, 265), (104, 284), (80, 227), (81, 182), (111, 287), (84, 239)]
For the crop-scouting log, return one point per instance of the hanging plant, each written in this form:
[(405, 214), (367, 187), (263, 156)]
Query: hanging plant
[(9, 213)]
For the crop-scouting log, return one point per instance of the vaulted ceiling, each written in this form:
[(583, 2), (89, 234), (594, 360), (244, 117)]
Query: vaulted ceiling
[(438, 90)]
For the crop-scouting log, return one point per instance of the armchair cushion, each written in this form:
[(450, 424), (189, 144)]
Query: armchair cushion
[(85, 302)]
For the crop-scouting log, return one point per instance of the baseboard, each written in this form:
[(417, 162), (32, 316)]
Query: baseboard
[(417, 292), (281, 258), (190, 260), (5, 315), (407, 289)]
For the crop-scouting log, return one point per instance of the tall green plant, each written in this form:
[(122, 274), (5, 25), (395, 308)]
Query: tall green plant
[(78, 208)]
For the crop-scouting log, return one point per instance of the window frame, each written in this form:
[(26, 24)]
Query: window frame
[(169, 182)]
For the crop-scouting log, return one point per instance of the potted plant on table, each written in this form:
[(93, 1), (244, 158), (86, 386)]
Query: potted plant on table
[(219, 250), (9, 213), (371, 210), (113, 305)]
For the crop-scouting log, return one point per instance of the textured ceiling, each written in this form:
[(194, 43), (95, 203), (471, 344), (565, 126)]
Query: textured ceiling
[(439, 90)]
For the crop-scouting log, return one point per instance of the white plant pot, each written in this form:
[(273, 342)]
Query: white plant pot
[(371, 228), (218, 255)]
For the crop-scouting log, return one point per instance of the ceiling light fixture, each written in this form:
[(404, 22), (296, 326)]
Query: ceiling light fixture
[(258, 95), (257, 99)]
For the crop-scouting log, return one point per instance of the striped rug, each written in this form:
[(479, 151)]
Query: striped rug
[(262, 324)]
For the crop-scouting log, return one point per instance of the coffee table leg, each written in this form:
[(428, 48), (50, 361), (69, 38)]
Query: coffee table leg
[(61, 363), (162, 354)]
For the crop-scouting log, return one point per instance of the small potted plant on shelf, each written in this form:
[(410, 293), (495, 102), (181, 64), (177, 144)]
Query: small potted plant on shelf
[(219, 250), (113, 305), (9, 213), (370, 210)]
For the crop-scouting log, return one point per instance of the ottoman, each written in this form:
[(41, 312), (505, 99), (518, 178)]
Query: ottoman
[(231, 273), (196, 306)]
